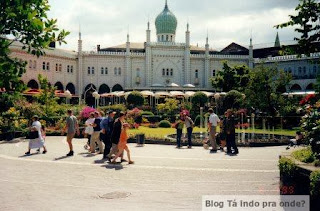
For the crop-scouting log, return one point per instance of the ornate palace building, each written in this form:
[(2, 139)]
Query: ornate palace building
[(160, 65)]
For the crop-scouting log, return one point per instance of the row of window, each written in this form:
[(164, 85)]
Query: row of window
[(104, 71), (165, 38), (196, 75), (167, 72), (303, 70)]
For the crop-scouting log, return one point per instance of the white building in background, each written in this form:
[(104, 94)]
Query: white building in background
[(153, 65)]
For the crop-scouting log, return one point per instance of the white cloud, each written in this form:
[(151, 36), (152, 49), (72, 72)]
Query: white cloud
[(106, 22)]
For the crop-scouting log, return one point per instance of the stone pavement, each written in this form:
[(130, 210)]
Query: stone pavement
[(162, 178)]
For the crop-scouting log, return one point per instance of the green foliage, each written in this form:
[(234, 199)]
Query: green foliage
[(315, 183), (306, 20), (304, 155), (287, 167), (264, 89), (199, 100), (26, 22), (164, 124), (170, 106), (231, 78), (233, 99), (135, 99), (116, 108), (47, 96), (147, 113)]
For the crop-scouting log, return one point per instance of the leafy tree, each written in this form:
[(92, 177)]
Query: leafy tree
[(231, 78), (25, 22), (199, 99), (233, 99), (47, 96), (170, 106), (307, 20), (135, 99), (264, 89)]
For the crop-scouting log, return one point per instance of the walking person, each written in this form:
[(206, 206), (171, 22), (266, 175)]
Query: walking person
[(122, 145), (179, 126), (89, 130), (189, 125), (71, 128), (231, 133), (115, 136), (107, 127), (35, 136), (95, 137), (212, 125), (223, 132)]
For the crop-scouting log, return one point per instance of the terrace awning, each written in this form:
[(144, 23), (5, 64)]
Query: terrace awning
[(147, 93), (162, 94), (177, 94)]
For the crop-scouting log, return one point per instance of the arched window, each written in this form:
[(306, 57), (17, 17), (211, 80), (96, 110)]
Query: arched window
[(43, 66), (163, 72), (106, 71), (138, 72), (167, 72), (115, 71), (89, 71), (48, 66), (197, 73), (119, 71), (102, 70), (92, 70), (171, 72), (167, 38)]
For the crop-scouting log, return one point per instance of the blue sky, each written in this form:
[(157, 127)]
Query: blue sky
[(106, 22)]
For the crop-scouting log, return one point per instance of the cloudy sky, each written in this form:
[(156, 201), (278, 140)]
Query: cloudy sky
[(106, 22)]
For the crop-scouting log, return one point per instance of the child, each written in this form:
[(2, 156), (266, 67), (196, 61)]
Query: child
[(123, 144)]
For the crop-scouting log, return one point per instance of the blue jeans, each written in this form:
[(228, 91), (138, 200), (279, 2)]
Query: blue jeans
[(179, 134), (189, 133)]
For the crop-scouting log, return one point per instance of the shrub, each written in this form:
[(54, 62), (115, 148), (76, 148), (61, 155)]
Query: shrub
[(304, 155), (287, 167), (199, 99), (315, 183), (116, 108), (197, 120), (135, 99), (164, 124), (147, 113)]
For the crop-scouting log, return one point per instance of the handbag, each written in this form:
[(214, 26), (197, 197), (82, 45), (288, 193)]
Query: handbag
[(33, 135)]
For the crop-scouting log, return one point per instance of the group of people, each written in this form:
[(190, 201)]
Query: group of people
[(226, 137), (109, 135)]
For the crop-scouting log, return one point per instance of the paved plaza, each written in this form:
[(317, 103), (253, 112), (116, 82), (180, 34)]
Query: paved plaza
[(162, 178)]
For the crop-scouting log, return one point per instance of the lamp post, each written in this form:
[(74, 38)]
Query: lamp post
[(96, 97), (68, 96)]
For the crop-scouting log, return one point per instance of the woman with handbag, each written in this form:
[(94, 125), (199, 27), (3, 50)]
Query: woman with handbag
[(36, 140)]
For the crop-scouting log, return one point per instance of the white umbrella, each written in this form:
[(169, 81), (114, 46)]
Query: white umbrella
[(177, 93), (189, 86), (189, 94), (147, 93), (160, 94), (173, 85)]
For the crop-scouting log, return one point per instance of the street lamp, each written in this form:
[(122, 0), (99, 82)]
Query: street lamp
[(68, 96), (96, 97)]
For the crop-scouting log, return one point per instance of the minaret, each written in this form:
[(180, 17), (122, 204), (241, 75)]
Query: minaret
[(80, 64), (148, 66), (251, 54), (187, 71), (206, 76), (128, 71), (148, 33), (277, 42)]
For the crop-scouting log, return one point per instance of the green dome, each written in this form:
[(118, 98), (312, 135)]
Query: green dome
[(166, 22)]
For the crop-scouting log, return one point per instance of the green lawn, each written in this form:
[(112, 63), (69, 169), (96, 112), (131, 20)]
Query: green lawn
[(162, 132)]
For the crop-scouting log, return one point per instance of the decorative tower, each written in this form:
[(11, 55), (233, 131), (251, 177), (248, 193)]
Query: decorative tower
[(128, 71), (251, 54), (80, 64), (277, 42), (206, 65), (187, 72), (166, 25), (148, 67)]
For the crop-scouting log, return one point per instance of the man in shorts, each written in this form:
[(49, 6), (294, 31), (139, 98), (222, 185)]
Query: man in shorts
[(71, 128)]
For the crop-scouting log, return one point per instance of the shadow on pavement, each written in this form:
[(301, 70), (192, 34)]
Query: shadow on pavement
[(32, 154), (61, 158), (117, 166)]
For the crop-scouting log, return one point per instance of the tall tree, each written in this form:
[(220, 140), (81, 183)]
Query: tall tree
[(47, 95), (25, 22), (307, 20), (231, 78), (265, 89)]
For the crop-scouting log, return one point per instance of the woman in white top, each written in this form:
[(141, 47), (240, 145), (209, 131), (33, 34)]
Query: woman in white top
[(89, 129), (36, 142)]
